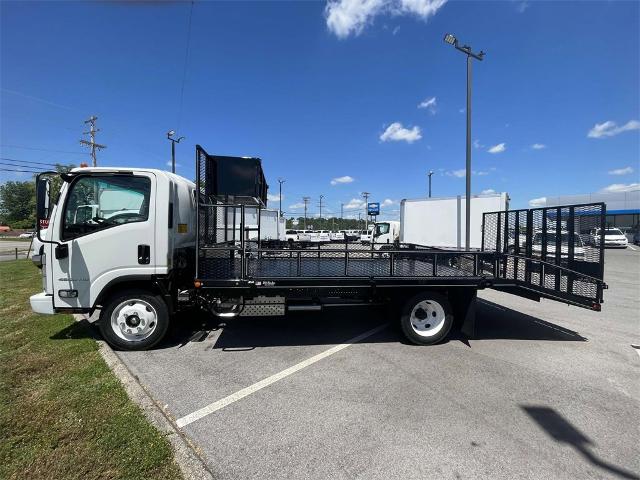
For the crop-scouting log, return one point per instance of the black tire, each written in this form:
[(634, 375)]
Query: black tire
[(438, 308), (140, 297)]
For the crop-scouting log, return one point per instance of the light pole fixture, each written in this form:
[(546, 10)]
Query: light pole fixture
[(466, 49), (430, 174), (280, 181), (170, 135)]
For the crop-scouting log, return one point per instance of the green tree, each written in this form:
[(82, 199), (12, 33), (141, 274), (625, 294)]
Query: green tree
[(18, 204)]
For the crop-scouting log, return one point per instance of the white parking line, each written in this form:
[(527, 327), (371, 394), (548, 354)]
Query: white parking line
[(632, 247), (240, 394)]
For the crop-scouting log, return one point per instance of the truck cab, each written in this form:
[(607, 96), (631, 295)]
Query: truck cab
[(111, 230), (386, 232)]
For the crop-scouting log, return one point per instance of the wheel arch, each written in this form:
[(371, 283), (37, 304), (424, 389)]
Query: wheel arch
[(128, 282)]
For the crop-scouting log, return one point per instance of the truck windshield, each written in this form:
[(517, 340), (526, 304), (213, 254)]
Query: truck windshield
[(381, 229), (95, 203)]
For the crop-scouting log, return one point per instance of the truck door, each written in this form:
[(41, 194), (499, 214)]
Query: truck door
[(106, 230)]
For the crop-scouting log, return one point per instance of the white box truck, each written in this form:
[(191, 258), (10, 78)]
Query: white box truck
[(440, 222)]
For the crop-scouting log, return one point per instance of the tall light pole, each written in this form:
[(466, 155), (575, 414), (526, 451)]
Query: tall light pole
[(466, 49), (321, 198), (170, 135), (430, 173), (365, 195), (280, 181)]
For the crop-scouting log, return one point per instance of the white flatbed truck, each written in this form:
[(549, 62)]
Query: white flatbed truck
[(177, 245)]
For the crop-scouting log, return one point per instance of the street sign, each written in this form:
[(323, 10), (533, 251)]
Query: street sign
[(373, 208)]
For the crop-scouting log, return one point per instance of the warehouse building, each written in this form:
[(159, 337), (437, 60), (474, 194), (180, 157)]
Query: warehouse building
[(623, 208)]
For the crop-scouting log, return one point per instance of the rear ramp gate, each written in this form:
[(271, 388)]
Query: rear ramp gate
[(550, 252)]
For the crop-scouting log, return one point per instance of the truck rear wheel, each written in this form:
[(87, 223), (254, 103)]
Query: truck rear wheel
[(134, 320), (426, 318)]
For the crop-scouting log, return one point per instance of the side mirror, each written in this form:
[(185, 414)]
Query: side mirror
[(43, 202)]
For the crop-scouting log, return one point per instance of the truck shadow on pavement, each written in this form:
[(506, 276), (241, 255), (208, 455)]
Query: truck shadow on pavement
[(340, 324), (332, 326), (562, 431)]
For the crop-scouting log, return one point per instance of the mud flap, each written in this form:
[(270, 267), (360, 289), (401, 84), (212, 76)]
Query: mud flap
[(463, 302)]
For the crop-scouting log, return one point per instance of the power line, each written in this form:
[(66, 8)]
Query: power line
[(184, 69), (20, 171), (35, 163), (43, 149)]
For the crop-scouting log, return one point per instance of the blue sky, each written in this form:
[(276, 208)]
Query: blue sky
[(326, 92)]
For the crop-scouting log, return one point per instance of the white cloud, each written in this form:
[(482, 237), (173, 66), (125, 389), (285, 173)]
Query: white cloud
[(621, 171), (461, 173), (538, 202), (345, 179), (429, 103), (488, 191), (621, 187), (477, 144), (396, 132), (462, 110), (538, 146), (273, 197), (610, 128), (354, 203), (296, 206), (169, 164), (522, 6), (499, 148), (387, 202), (395, 30), (350, 17)]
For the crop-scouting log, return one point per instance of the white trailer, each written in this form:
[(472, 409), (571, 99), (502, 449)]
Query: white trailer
[(440, 222)]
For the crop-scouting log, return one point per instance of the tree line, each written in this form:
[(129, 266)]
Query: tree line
[(18, 200)]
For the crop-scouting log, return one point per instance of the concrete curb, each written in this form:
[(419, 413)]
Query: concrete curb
[(189, 461)]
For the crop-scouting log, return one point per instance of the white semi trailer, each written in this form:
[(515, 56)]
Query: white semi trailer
[(155, 243)]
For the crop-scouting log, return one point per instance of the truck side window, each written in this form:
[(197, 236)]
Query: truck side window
[(95, 203)]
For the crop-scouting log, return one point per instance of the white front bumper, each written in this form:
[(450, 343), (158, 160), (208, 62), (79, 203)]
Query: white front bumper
[(41, 303)]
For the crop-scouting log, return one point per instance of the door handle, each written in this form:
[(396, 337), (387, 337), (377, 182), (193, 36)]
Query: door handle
[(144, 254)]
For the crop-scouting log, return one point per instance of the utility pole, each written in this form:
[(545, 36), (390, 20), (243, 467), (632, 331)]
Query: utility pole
[(306, 201), (342, 210), (280, 181), (466, 49), (365, 195), (430, 173), (91, 143), (321, 197)]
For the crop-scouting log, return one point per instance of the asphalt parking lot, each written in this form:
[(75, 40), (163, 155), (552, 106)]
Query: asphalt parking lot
[(545, 390)]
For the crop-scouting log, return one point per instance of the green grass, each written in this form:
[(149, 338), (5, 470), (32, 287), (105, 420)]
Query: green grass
[(15, 239), (63, 413)]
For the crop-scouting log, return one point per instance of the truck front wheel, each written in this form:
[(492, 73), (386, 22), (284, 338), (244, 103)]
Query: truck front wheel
[(134, 320), (426, 318)]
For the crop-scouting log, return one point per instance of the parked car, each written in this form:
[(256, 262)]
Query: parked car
[(578, 245), (324, 236), (613, 237), (365, 236), (26, 235), (291, 236), (304, 235), (337, 236)]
